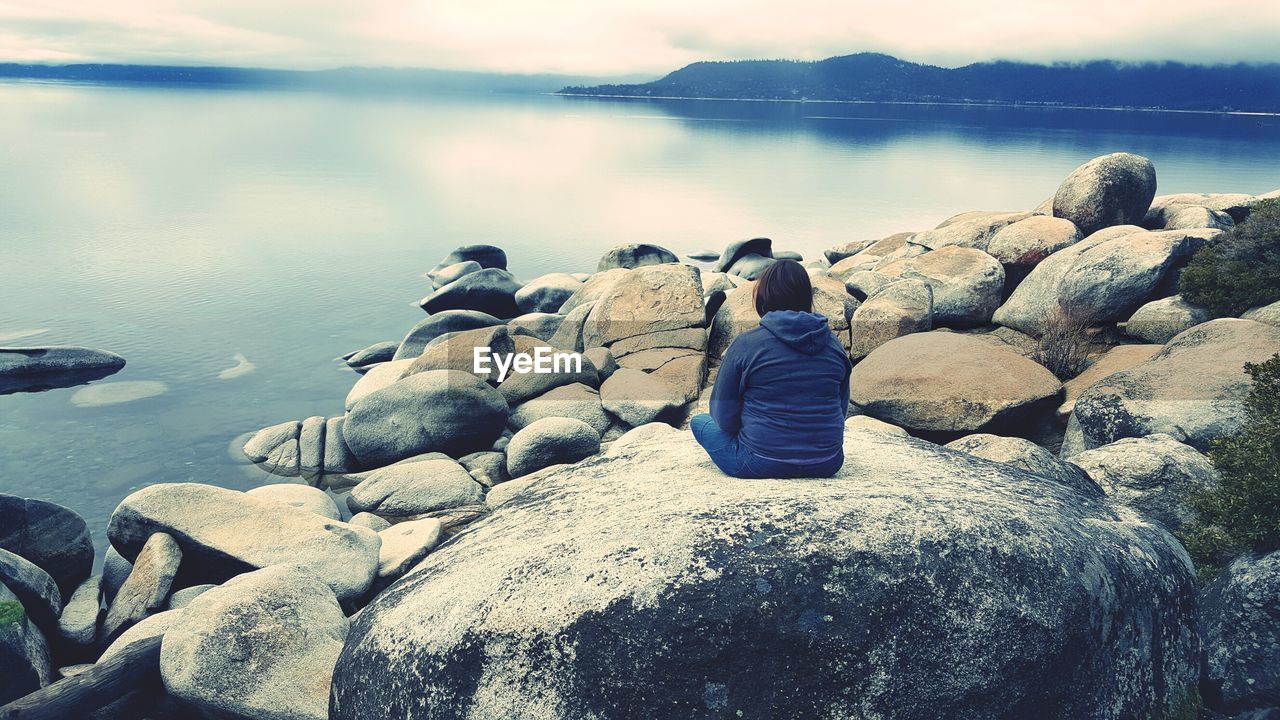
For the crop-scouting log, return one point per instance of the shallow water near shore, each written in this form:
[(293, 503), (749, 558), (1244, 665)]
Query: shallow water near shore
[(231, 244)]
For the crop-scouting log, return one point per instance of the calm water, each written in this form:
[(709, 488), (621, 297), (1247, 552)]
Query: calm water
[(181, 227)]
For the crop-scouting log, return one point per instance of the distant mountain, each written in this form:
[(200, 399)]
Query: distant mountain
[(881, 78), (346, 79)]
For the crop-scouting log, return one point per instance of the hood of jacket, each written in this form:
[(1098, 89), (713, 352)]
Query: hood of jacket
[(804, 331)]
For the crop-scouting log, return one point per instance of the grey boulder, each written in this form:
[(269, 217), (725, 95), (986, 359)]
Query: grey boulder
[(1026, 455), (873, 594), (490, 291), (262, 645), (1159, 321), (637, 398), (303, 497), (550, 441), (415, 487), (736, 250), (1023, 245), (577, 400), (1155, 475), (405, 544), (635, 255), (900, 308), (439, 410), (967, 284), (1115, 189), (34, 588), (441, 323), (224, 533), (486, 256), (1193, 389), (547, 293), (1242, 634), (54, 538)]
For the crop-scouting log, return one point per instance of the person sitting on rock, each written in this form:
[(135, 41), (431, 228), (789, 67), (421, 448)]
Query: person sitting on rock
[(779, 403)]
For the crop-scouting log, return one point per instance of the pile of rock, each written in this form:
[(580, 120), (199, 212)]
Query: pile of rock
[(921, 576)]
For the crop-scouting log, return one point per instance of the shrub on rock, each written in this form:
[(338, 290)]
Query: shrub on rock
[(550, 441), (1243, 511), (1115, 189), (436, 411), (866, 595), (1242, 270)]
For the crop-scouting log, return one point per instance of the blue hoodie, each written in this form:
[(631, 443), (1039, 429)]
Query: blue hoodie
[(783, 388)]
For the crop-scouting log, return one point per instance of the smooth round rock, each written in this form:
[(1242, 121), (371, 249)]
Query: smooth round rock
[(1115, 189), (303, 497), (912, 584), (550, 441)]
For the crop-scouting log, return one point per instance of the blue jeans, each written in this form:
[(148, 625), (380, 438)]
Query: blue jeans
[(734, 459)]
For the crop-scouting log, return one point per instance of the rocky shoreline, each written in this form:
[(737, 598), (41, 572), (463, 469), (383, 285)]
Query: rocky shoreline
[(483, 541)]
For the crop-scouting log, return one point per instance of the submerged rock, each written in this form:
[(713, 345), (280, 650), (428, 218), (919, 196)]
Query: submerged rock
[(945, 382), (262, 645), (25, 362), (1115, 189), (918, 583), (223, 533)]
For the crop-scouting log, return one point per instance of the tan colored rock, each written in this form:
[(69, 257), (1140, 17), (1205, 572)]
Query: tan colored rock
[(968, 230), (647, 299), (898, 309), (967, 284), (946, 382)]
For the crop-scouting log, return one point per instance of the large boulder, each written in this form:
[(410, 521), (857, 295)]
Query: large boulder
[(945, 382), (303, 497), (1101, 278), (441, 323), (1155, 475), (645, 300), (1192, 217), (486, 256), (968, 230), (636, 398), (53, 537), (261, 646), (1269, 314), (1026, 455), (550, 441), (145, 590), (736, 250), (223, 533), (1241, 630), (34, 588), (1163, 207), (578, 401), (635, 255), (415, 487), (1021, 246), (490, 291), (546, 293), (24, 653), (917, 583), (967, 284), (1193, 389), (436, 411), (378, 377), (900, 308), (1160, 320), (1120, 357), (1115, 189), (458, 351)]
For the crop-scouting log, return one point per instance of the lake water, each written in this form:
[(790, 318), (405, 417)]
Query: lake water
[(181, 228)]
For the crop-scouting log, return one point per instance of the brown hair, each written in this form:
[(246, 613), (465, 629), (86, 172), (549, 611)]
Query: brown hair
[(783, 285)]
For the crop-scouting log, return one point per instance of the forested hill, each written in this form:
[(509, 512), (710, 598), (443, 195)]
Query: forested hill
[(875, 77)]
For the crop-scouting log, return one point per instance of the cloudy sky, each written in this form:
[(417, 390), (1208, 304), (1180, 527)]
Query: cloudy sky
[(627, 36)]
